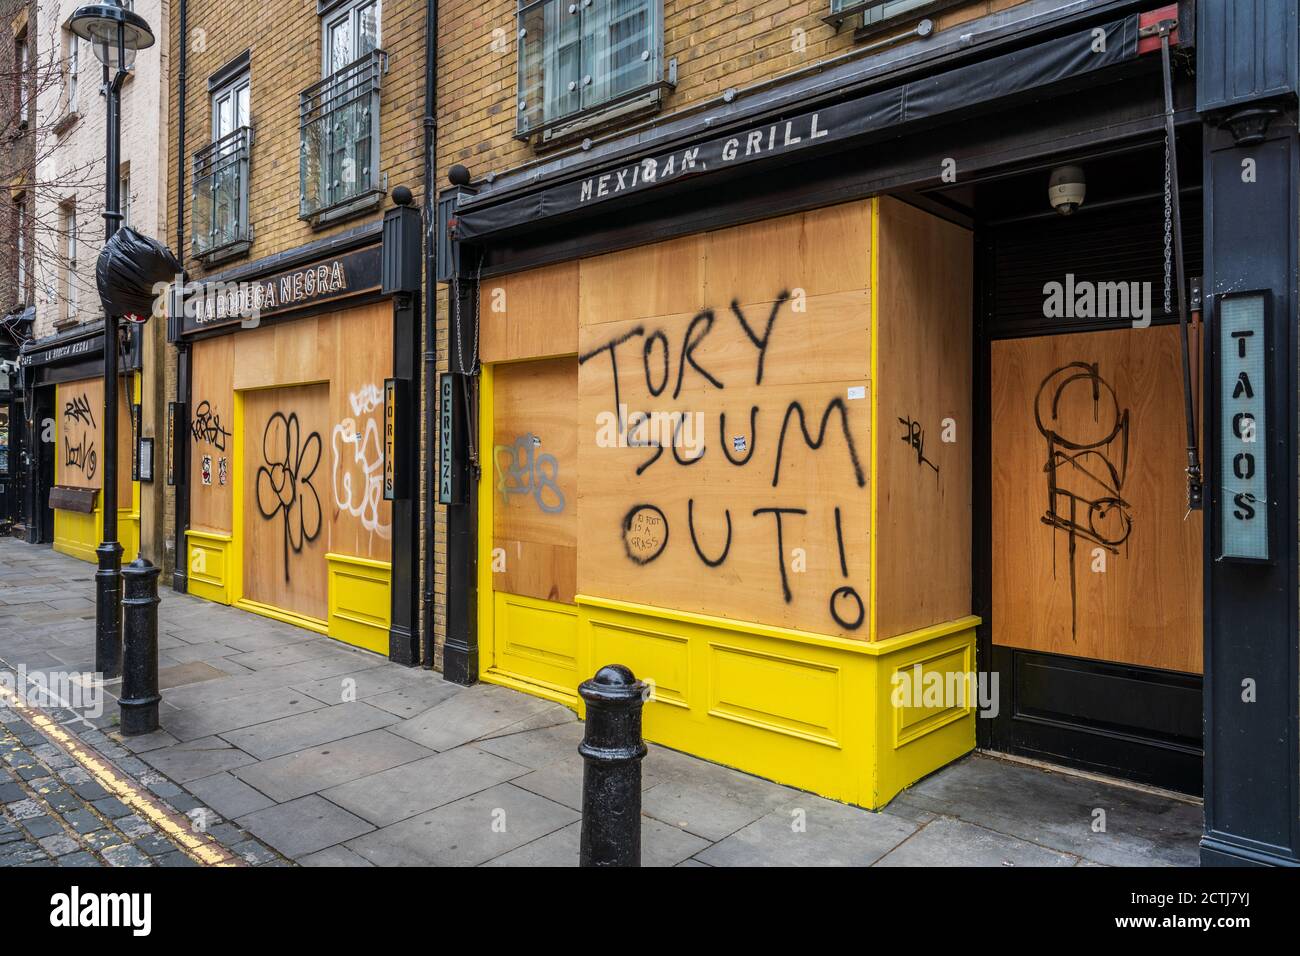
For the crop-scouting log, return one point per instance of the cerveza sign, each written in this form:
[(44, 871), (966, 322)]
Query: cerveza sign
[(1020, 74), (245, 302)]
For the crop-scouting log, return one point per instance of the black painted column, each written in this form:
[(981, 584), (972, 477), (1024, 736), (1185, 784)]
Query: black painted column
[(1252, 781), (460, 651), (179, 455), (401, 280)]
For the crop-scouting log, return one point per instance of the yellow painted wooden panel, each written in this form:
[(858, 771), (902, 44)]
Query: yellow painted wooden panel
[(537, 640), (209, 566), (917, 716), (779, 693), (654, 654), (360, 606)]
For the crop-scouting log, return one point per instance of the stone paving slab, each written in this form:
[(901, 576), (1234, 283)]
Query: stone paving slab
[(364, 756), (289, 734), (292, 748), (404, 791), (466, 832)]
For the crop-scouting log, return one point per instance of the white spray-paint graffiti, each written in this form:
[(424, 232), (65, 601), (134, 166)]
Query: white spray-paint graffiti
[(358, 470)]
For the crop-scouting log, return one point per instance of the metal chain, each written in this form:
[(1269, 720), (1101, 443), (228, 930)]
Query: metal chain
[(455, 318), (1169, 232)]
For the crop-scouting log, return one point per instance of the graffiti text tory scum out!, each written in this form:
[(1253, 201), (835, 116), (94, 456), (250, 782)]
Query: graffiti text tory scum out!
[(819, 424)]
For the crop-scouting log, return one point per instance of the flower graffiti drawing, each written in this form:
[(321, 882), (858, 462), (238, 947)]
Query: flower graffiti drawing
[(284, 486)]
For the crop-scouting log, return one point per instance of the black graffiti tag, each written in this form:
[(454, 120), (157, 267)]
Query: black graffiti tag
[(284, 482), (914, 437), (80, 454), (1086, 466), (78, 409), (206, 427)]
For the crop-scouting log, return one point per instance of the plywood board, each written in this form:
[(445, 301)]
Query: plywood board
[(284, 471), (923, 512), (212, 440), (352, 351), (79, 433), (724, 427), (1094, 554), (530, 314), (79, 436), (533, 478)]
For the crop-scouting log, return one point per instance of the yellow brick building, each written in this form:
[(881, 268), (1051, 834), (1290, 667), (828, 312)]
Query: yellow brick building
[(295, 124)]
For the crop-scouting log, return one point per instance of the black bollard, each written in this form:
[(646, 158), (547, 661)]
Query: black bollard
[(139, 701), (612, 749)]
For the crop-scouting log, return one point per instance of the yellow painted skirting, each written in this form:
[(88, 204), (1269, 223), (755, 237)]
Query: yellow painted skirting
[(280, 614), (359, 607), (78, 535), (810, 710)]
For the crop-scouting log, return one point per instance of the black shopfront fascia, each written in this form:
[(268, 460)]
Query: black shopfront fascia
[(378, 261), (1064, 111)]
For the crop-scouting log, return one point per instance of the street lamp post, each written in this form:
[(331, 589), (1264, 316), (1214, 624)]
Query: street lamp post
[(115, 34)]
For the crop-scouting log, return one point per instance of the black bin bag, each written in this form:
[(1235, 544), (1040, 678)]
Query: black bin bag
[(129, 271)]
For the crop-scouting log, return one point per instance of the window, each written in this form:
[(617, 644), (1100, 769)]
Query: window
[(124, 196), (339, 117), (24, 275), (70, 279), (71, 68), (23, 61), (230, 107), (220, 221), (350, 34), (581, 56), (878, 15)]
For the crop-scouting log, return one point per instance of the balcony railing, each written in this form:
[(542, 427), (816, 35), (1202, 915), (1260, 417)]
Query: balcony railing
[(220, 204), (339, 126)]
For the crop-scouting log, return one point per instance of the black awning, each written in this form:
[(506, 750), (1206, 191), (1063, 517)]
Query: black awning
[(1034, 72)]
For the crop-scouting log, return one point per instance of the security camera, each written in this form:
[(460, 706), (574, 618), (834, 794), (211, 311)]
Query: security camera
[(1066, 189)]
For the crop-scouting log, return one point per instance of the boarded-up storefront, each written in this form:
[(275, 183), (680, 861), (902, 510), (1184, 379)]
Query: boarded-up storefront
[(739, 463), (77, 433), (288, 514)]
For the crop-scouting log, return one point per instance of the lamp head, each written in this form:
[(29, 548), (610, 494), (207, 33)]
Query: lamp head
[(114, 33)]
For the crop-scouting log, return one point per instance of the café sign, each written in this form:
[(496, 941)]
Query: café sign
[(219, 303)]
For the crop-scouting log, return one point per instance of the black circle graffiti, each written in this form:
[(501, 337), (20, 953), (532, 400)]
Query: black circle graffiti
[(847, 591), (641, 543)]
